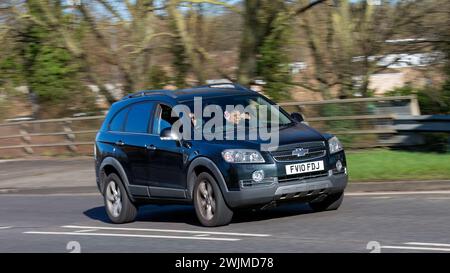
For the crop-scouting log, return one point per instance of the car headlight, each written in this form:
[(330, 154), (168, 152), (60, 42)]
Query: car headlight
[(242, 156), (335, 145)]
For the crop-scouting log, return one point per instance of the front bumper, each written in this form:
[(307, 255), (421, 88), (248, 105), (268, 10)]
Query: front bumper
[(300, 190)]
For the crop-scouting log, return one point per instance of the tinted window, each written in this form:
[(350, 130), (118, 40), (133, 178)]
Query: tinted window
[(163, 119), (138, 118), (260, 111), (118, 121)]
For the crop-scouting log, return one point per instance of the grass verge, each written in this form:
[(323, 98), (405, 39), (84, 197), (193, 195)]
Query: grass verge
[(387, 165)]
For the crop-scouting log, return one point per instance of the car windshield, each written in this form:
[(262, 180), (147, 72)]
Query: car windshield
[(250, 110)]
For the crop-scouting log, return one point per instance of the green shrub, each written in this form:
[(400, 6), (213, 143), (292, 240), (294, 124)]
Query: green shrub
[(273, 65), (437, 142), (54, 74)]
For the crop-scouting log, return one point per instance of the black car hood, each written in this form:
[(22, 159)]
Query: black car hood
[(297, 133), (290, 134)]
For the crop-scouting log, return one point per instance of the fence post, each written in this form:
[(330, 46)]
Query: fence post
[(26, 138), (70, 136), (414, 104)]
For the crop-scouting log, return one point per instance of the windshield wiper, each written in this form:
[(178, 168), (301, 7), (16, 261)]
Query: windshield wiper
[(287, 124)]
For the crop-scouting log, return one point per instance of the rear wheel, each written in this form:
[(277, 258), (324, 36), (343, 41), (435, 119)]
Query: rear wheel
[(331, 202), (118, 206), (209, 204)]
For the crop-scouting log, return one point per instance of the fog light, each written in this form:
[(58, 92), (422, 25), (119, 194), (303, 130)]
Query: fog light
[(258, 176), (339, 166)]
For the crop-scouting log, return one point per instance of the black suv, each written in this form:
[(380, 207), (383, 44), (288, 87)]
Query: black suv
[(139, 159)]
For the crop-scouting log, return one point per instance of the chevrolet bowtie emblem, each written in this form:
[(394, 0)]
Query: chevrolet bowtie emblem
[(299, 152)]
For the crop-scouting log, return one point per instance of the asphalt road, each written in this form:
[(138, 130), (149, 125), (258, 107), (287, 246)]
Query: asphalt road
[(409, 222)]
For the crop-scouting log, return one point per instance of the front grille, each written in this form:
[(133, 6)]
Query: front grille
[(316, 149), (301, 176), (287, 156)]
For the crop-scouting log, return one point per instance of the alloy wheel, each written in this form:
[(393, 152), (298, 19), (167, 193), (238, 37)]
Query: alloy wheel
[(206, 200), (113, 199)]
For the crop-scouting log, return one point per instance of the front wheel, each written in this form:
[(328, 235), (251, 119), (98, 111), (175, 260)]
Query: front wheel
[(331, 202), (118, 205), (209, 204)]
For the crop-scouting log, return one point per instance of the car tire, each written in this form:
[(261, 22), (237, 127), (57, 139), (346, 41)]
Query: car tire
[(331, 202), (119, 207), (210, 207)]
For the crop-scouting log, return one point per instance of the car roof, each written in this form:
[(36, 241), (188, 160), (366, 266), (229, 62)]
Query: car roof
[(207, 91), (178, 96)]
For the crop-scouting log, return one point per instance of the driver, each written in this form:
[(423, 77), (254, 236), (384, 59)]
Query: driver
[(236, 116)]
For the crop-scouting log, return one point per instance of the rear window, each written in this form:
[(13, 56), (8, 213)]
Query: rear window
[(118, 120), (138, 119)]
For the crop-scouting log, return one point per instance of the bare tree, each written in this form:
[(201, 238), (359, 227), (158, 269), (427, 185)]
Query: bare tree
[(343, 32), (263, 20)]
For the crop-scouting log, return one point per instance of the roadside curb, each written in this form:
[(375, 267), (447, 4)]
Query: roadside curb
[(46, 158), (51, 190), (392, 186)]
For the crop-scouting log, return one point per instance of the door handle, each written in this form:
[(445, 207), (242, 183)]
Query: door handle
[(150, 147), (187, 144), (120, 143)]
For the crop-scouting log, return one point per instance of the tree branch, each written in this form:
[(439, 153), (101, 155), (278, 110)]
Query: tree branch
[(111, 9), (185, 37), (114, 59), (146, 43), (208, 57), (216, 2), (299, 84), (307, 7)]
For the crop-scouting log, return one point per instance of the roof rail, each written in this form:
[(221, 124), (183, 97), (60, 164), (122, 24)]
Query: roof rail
[(147, 92), (224, 86)]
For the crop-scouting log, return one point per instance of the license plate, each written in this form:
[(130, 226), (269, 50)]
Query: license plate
[(308, 167)]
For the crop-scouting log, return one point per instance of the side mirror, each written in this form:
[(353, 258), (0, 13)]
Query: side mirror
[(167, 134), (297, 117)]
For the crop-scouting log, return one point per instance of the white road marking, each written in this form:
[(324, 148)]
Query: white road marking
[(417, 248), (85, 230), (395, 193), (50, 194), (6, 227), (428, 244), (132, 235), (201, 235), (11, 160), (170, 231)]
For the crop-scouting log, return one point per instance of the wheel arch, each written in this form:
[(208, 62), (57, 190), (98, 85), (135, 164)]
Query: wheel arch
[(111, 165), (203, 164)]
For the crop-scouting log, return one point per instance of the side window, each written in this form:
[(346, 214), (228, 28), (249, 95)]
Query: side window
[(139, 118), (163, 119), (118, 120)]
